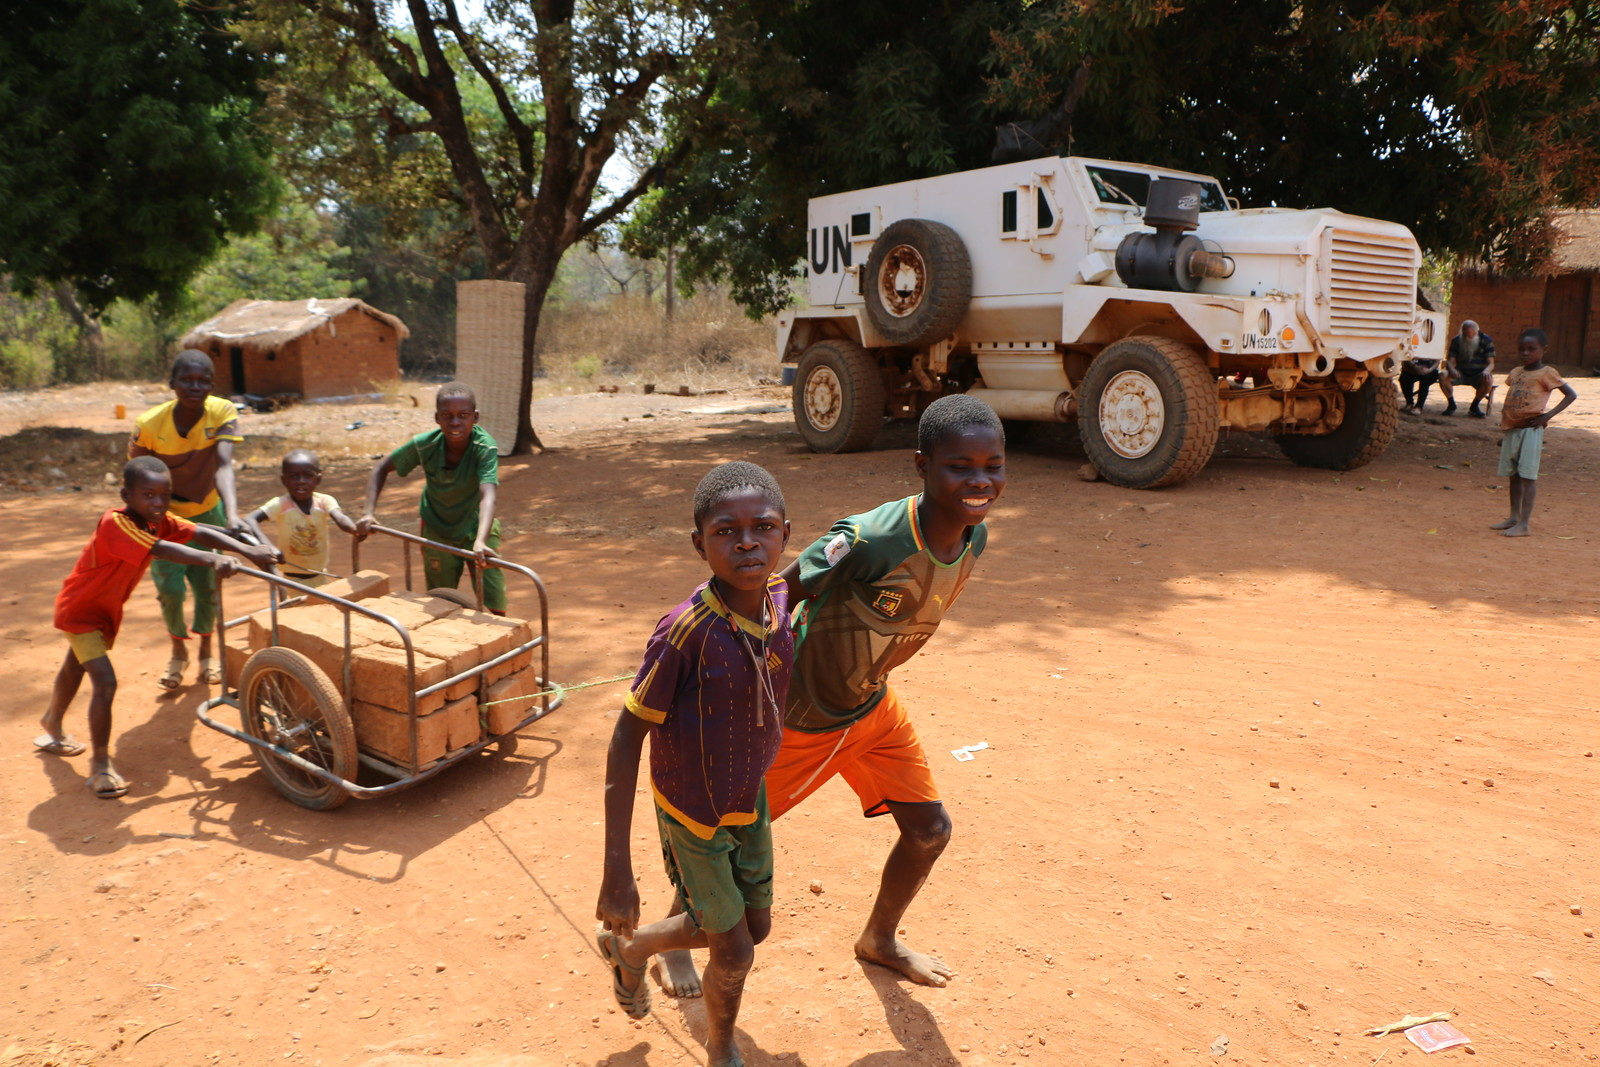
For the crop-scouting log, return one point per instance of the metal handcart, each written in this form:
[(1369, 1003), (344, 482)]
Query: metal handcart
[(301, 728)]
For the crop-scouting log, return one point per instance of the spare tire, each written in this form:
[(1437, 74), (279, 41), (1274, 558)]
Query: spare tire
[(918, 282)]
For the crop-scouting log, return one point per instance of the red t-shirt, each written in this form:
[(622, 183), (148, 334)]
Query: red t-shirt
[(111, 565)]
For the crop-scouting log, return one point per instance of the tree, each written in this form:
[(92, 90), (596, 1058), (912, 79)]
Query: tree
[(569, 84), (850, 93), (1465, 121), (131, 151)]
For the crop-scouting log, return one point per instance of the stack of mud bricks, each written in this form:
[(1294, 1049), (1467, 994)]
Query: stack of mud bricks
[(446, 639)]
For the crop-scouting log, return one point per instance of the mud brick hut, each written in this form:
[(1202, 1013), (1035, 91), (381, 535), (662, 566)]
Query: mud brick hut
[(1566, 303), (310, 347)]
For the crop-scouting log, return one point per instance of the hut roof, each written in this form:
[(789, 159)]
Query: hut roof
[(271, 323), (1578, 246)]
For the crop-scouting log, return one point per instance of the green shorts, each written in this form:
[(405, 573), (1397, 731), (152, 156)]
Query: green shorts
[(1520, 451), (720, 879)]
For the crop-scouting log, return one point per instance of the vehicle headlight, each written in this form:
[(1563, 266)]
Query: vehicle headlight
[(1264, 323), (1427, 330)]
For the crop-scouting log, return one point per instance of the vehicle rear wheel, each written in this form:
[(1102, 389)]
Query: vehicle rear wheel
[(1371, 417), (918, 282), (287, 700), (1148, 413), (838, 397)]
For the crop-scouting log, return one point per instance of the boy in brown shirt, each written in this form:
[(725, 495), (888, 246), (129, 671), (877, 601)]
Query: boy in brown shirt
[(1523, 419)]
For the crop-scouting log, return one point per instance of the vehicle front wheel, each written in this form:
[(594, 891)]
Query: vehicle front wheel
[(1371, 418), (1148, 413), (838, 397)]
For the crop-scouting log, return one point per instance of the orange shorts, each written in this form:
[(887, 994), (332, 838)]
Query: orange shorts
[(879, 756)]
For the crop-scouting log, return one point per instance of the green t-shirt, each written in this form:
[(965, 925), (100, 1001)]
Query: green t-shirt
[(876, 595), (450, 497)]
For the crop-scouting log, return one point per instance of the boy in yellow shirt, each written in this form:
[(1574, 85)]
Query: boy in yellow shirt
[(194, 435)]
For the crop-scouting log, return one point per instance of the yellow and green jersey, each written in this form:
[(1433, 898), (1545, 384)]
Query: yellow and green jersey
[(190, 457), (876, 594)]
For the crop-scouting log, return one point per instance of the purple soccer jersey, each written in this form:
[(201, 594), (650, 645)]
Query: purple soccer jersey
[(713, 685)]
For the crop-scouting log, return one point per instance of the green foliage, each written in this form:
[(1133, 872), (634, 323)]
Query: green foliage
[(25, 364), (131, 149), (1465, 121), (293, 257), (843, 94)]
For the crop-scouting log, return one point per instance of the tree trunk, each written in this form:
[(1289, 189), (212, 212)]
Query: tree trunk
[(88, 325), (536, 280), (670, 288)]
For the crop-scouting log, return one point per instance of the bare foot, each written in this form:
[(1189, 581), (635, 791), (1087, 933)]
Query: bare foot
[(920, 968), (1519, 530), (678, 976), (1504, 524)]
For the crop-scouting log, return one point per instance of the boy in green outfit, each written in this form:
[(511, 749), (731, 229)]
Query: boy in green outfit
[(461, 463)]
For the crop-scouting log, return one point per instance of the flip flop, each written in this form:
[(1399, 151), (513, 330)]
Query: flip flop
[(211, 671), (174, 676), (637, 1003), (58, 746), (107, 785)]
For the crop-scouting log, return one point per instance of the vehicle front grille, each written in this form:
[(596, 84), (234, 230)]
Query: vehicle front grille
[(1373, 283)]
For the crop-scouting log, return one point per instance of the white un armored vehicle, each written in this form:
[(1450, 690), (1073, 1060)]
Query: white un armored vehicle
[(1139, 301)]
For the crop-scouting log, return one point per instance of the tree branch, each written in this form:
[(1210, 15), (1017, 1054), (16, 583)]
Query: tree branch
[(652, 175), (393, 58), (519, 129)]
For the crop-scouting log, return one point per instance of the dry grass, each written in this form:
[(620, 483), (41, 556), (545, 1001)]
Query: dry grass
[(710, 343)]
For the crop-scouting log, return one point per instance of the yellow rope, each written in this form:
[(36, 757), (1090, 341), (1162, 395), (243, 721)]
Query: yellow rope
[(555, 689)]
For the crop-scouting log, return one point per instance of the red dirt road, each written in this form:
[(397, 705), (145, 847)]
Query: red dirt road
[(1278, 755)]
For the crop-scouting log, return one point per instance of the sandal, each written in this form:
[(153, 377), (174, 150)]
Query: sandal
[(107, 785), (211, 671), (174, 675), (636, 1003), (58, 746)]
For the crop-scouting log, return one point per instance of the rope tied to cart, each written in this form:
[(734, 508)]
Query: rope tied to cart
[(555, 690)]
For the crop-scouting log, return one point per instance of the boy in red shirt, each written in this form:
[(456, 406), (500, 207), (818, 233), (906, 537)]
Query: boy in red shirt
[(89, 606)]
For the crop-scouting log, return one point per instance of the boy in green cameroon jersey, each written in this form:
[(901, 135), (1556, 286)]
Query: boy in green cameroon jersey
[(462, 466)]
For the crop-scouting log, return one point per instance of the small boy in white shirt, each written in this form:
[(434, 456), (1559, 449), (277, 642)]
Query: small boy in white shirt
[(302, 516)]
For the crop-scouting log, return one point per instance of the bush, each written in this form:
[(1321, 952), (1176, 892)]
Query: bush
[(25, 364)]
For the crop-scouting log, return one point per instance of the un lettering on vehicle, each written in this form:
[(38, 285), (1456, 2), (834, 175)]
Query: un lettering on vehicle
[(1264, 341), (830, 249)]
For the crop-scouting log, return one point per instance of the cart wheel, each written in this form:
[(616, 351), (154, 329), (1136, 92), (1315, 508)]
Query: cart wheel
[(287, 700), (455, 596)]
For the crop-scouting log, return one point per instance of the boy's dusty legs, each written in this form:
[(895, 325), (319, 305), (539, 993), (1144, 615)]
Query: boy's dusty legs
[(924, 833), (1516, 506), (732, 954), (1523, 505), (678, 976), (68, 679)]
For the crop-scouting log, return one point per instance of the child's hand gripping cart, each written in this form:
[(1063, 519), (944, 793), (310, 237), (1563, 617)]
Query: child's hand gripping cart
[(405, 684)]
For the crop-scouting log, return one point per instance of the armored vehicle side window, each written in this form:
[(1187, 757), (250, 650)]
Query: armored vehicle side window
[(1047, 218), (1132, 187), (861, 224), (1008, 211)]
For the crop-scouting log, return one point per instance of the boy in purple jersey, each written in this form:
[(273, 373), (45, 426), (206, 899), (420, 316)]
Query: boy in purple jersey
[(710, 695)]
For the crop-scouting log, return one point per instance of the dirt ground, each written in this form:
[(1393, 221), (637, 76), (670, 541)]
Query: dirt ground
[(1275, 756)]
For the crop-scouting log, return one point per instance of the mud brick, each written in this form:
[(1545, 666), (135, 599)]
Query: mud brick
[(387, 732), (317, 635), (492, 637), (510, 667), (379, 673), (459, 651), (500, 718), (361, 585), (402, 609), (233, 660), (436, 607)]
